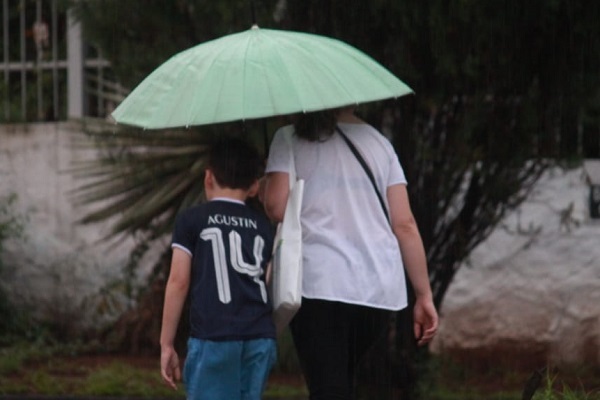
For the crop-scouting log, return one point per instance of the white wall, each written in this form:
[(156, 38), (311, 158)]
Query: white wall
[(60, 267)]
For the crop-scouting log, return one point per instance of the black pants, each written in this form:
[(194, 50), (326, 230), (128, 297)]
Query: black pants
[(331, 338)]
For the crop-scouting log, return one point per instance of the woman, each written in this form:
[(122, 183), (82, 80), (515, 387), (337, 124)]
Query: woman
[(353, 256)]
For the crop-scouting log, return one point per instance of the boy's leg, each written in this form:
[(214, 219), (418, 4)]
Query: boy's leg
[(212, 370), (258, 357)]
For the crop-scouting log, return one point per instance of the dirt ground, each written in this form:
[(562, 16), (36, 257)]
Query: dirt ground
[(70, 369), (484, 376)]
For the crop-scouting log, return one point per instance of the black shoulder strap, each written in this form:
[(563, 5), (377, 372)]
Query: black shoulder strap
[(363, 163)]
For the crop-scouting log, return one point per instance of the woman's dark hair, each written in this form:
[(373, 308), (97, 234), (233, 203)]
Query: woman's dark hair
[(235, 163), (315, 126)]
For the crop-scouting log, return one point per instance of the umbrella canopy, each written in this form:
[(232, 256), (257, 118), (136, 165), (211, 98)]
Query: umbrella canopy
[(254, 74)]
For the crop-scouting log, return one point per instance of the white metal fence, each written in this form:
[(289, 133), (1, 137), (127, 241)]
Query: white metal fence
[(48, 72)]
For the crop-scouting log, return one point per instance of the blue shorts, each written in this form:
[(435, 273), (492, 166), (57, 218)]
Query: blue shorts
[(229, 370)]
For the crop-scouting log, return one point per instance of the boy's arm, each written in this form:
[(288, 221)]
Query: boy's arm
[(175, 295)]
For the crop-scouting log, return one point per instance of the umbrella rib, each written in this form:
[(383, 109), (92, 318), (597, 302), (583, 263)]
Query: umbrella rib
[(217, 57), (281, 61), (246, 50), (190, 64), (309, 55), (336, 76)]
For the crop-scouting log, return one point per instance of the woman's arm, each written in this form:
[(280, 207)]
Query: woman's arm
[(413, 254), (275, 195)]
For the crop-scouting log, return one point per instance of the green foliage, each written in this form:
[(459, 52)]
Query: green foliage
[(33, 368), (137, 36), (283, 391), (287, 359), (122, 380), (17, 319), (57, 370), (11, 226), (54, 377), (11, 361), (33, 349), (448, 379), (445, 379), (554, 389)]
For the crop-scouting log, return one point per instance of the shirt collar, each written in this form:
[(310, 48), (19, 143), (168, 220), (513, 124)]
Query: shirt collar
[(228, 199)]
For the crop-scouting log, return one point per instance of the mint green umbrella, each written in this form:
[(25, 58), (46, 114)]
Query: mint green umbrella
[(254, 74)]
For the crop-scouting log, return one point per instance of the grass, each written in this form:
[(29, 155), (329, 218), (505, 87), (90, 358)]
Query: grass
[(48, 371), (446, 379), (555, 389), (62, 375), (59, 370)]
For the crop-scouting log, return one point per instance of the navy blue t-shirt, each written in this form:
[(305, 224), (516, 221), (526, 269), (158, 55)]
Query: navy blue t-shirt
[(230, 245)]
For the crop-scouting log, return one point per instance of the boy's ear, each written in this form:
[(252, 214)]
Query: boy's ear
[(209, 178), (253, 190)]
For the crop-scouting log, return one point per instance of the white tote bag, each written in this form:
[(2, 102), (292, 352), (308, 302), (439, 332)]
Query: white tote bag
[(286, 286)]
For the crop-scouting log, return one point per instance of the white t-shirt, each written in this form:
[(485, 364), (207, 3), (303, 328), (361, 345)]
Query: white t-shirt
[(349, 251)]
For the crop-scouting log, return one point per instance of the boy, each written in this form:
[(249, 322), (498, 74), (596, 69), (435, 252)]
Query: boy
[(220, 252)]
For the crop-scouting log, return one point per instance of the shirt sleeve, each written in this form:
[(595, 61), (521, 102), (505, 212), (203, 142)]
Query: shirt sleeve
[(183, 234), (396, 175), (279, 151)]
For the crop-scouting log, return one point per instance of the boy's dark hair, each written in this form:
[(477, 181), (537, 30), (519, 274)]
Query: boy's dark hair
[(235, 163)]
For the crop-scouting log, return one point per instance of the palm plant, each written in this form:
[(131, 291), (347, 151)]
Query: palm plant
[(142, 179)]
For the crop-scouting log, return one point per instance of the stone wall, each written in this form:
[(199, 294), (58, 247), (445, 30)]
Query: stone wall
[(531, 292)]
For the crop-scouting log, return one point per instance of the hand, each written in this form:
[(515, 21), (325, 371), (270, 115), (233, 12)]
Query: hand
[(425, 320), (169, 366)]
